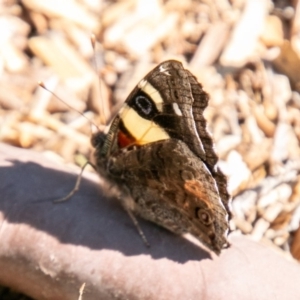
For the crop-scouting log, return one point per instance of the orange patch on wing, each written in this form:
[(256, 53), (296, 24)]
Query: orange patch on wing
[(195, 188), (124, 140)]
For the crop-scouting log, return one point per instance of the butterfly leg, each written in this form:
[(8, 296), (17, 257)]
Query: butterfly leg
[(137, 225), (77, 184)]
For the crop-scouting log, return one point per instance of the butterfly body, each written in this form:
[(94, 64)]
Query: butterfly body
[(161, 157)]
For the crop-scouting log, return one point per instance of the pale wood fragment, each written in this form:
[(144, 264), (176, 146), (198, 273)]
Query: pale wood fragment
[(279, 193), (66, 62), (272, 34), (259, 229), (211, 45), (68, 9), (14, 60), (285, 144), (39, 115), (29, 133), (9, 99), (79, 37), (295, 219), (114, 34), (281, 94), (142, 37), (242, 43), (263, 122), (8, 133), (288, 63), (238, 171), (281, 240), (255, 134), (114, 11), (40, 22), (243, 225), (271, 213), (13, 30), (62, 129), (227, 143), (244, 203)]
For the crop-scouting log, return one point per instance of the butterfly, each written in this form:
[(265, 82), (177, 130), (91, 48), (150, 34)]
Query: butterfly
[(158, 153)]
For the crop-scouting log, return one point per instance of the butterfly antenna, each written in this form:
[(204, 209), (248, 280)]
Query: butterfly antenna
[(103, 118), (42, 85)]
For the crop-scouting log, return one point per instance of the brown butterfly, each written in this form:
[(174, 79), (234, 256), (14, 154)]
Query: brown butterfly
[(160, 156)]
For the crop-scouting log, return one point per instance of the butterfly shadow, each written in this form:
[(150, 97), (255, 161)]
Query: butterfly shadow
[(88, 219)]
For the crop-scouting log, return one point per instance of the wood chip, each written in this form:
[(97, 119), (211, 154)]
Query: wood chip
[(279, 193), (242, 43), (295, 246), (70, 10), (288, 63), (259, 229), (211, 45), (71, 68), (148, 33), (272, 212), (272, 34)]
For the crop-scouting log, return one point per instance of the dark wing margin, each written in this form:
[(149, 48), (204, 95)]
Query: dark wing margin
[(201, 99)]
